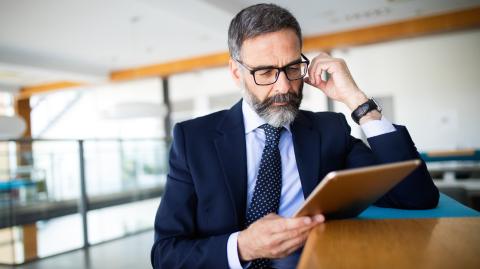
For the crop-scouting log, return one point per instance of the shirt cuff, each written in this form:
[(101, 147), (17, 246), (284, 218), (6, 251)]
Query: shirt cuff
[(377, 127), (232, 252)]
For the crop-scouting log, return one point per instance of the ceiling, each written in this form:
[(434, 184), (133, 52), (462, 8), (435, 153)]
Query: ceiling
[(57, 40)]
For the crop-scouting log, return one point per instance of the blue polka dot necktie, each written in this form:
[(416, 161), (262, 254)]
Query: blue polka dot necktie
[(266, 195)]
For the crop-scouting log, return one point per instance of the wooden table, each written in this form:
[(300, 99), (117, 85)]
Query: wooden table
[(394, 243)]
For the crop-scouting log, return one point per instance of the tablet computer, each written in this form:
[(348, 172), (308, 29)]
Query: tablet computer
[(346, 193)]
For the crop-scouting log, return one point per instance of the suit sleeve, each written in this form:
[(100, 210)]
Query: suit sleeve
[(416, 191), (176, 242)]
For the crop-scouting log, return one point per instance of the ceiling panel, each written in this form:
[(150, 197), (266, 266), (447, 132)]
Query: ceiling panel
[(91, 38)]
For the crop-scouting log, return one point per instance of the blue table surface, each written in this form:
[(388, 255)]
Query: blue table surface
[(447, 207)]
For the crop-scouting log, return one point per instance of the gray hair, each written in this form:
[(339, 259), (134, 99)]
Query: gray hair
[(257, 20)]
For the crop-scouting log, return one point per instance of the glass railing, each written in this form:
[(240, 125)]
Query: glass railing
[(60, 195)]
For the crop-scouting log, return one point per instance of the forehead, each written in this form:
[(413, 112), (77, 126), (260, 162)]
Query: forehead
[(276, 48)]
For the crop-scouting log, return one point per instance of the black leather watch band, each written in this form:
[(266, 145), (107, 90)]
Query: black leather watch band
[(364, 108)]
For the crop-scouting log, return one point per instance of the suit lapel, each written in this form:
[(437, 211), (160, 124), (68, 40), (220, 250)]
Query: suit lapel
[(306, 143), (231, 151)]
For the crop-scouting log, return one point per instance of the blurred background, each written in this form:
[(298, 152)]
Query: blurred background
[(90, 91)]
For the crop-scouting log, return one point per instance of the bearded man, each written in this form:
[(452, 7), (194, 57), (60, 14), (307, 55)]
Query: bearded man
[(237, 176)]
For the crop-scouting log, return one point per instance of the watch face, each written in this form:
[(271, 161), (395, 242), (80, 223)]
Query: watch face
[(364, 109)]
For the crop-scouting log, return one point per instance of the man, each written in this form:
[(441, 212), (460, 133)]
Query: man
[(237, 176)]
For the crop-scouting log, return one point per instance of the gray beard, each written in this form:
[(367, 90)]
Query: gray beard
[(276, 116)]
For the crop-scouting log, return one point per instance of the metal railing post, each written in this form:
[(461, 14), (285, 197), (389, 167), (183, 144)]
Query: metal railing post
[(168, 105), (83, 201)]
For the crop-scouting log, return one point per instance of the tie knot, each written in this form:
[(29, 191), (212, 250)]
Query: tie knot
[(272, 134)]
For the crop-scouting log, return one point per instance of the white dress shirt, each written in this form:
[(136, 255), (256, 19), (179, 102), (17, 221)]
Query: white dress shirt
[(291, 197)]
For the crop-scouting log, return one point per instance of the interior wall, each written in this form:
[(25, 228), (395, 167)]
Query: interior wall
[(115, 110), (434, 82)]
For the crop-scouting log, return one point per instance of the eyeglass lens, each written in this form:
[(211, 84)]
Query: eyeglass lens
[(270, 75)]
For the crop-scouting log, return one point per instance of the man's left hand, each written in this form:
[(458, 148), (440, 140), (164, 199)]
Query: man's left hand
[(340, 85)]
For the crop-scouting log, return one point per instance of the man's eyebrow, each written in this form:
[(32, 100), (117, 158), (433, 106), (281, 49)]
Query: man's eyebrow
[(273, 66)]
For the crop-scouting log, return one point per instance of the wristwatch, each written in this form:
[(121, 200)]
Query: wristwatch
[(364, 108)]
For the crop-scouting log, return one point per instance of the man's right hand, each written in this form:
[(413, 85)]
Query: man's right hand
[(275, 237)]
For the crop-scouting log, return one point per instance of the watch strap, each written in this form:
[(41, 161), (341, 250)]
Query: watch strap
[(363, 109)]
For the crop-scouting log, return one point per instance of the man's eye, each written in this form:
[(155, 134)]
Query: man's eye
[(294, 67), (265, 72)]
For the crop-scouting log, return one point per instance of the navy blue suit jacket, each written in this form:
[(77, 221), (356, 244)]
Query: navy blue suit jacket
[(206, 190)]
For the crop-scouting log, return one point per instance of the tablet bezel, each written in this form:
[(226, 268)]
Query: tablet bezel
[(339, 195)]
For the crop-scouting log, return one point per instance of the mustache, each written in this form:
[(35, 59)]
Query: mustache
[(290, 98)]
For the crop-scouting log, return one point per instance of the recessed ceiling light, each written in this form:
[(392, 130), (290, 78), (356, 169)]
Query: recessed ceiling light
[(327, 13), (371, 13), (135, 19)]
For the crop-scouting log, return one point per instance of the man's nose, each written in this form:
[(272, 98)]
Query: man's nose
[(282, 85)]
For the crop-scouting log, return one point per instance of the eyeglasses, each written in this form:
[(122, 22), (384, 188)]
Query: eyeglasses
[(269, 75)]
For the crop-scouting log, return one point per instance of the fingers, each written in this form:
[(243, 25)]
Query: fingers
[(290, 223), (315, 70), (323, 63), (284, 224), (319, 218), (299, 237), (297, 231), (340, 85), (289, 246), (320, 83), (274, 236), (286, 247), (283, 243), (278, 238)]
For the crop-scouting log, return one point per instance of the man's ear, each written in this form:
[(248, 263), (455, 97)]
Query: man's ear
[(235, 71)]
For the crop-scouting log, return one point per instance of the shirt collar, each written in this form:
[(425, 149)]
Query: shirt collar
[(251, 120)]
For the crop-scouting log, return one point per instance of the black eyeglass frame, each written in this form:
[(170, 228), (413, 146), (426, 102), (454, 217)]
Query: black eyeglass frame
[(279, 69)]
